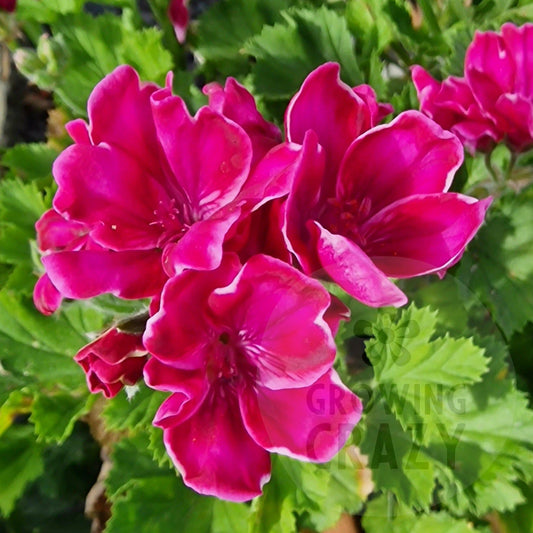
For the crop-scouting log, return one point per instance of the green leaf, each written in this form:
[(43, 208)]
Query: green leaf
[(418, 375), (54, 415), (308, 495), (369, 25), (286, 52), (521, 519), (123, 412), (20, 462), (398, 464), (46, 12), (84, 49), (471, 435), (21, 204), (39, 349), (30, 161), (222, 44), (385, 514), (150, 499), (498, 266)]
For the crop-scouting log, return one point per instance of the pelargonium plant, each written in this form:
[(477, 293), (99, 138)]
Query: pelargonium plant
[(269, 295), (147, 198)]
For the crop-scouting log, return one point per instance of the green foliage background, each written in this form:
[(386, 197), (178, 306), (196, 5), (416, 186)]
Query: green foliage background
[(447, 431)]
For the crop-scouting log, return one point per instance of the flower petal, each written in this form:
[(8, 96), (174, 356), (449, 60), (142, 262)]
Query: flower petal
[(201, 247), (56, 233), (352, 269), (214, 453), (218, 154), (410, 155), (107, 190), (236, 103), (423, 233), (88, 273), (120, 115), (303, 203), (311, 423), (331, 109)]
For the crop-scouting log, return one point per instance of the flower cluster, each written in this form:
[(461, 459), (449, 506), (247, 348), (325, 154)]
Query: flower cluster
[(493, 102), (227, 229)]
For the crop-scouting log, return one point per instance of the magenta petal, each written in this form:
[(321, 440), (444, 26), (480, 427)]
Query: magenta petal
[(109, 191), (336, 313), (46, 297), (161, 376), (179, 17), (273, 176), (267, 302), (331, 109), (310, 423), (56, 233), (377, 111), (411, 155), (214, 453), (218, 154), (201, 248), (120, 115), (303, 202), (518, 113), (78, 130), (424, 233), (489, 68), (519, 43), (236, 103), (88, 273), (178, 407), (352, 269)]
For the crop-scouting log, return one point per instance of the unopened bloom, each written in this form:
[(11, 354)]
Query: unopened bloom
[(8, 5), (113, 360), (494, 100), (247, 354), (178, 13), (156, 188), (370, 202)]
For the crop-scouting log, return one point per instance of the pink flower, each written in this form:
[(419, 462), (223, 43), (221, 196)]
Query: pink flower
[(156, 188), (179, 17), (499, 70), (247, 355), (452, 105), (8, 5), (111, 361), (494, 101), (369, 203)]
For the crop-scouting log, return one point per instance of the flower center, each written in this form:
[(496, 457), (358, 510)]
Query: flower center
[(346, 218), (171, 221), (229, 365)]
